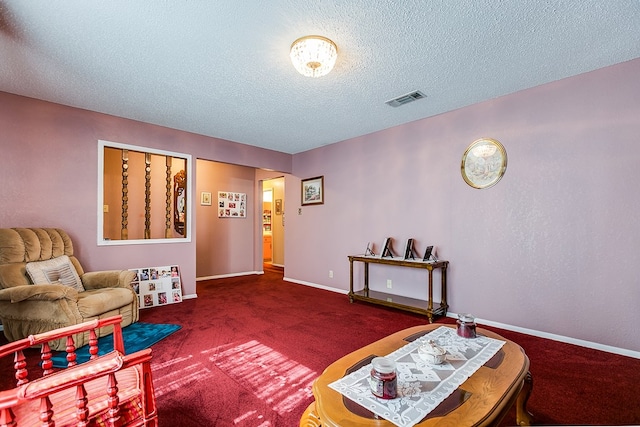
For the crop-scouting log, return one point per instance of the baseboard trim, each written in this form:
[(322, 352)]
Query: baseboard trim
[(224, 276), (315, 285), (189, 296), (533, 332), (554, 337)]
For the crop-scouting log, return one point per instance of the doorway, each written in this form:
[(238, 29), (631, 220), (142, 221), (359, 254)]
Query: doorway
[(267, 234), (273, 221)]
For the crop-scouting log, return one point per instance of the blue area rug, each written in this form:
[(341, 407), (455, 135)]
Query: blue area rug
[(136, 336)]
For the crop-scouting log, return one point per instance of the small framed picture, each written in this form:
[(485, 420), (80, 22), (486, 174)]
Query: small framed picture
[(205, 198), (408, 252), (386, 248), (278, 206), (313, 191), (428, 253)]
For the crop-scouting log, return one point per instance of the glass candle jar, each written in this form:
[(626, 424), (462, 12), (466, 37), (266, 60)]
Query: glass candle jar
[(466, 326), (383, 378)]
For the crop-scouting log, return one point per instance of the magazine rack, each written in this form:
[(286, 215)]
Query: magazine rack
[(113, 389)]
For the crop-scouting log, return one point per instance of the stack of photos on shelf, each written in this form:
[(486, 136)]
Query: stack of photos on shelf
[(157, 285)]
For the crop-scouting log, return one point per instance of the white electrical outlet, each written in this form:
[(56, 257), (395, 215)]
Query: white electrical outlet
[(389, 284), (330, 274)]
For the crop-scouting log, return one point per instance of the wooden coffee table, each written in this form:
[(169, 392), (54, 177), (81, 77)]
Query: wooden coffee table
[(482, 400)]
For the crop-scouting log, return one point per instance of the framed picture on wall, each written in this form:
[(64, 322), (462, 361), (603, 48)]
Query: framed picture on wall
[(232, 205), (278, 206), (205, 198), (313, 191)]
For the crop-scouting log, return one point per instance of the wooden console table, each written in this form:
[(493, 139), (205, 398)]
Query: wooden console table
[(396, 301)]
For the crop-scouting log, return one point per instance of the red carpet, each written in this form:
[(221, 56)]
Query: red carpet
[(250, 348)]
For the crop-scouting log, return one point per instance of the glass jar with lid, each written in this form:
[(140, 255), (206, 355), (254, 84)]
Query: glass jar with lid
[(383, 378), (466, 326)]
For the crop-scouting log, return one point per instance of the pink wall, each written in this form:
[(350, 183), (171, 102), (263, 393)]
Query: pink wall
[(49, 176), (224, 245), (552, 247)]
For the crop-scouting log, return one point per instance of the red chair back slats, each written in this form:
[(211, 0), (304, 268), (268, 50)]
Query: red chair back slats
[(113, 389)]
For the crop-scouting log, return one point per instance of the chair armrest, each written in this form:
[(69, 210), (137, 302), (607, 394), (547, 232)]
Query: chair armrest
[(48, 292), (80, 374), (73, 376), (108, 279)]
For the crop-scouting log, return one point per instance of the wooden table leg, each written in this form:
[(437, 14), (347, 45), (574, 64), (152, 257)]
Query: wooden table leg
[(366, 279), (309, 417), (524, 417), (430, 302), (443, 282), (350, 280)]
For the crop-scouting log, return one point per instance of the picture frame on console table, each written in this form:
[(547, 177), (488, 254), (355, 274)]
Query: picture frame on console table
[(386, 248), (312, 191), (369, 250), (408, 252), (427, 253)]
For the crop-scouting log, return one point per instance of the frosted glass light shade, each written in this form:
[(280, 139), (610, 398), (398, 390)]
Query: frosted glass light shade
[(313, 56)]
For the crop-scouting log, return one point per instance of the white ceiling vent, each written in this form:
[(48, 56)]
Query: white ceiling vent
[(405, 99)]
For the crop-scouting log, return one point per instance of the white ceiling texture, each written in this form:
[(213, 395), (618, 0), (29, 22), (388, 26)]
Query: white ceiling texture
[(221, 68)]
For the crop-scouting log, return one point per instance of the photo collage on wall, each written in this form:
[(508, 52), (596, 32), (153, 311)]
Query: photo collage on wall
[(157, 285), (232, 205)]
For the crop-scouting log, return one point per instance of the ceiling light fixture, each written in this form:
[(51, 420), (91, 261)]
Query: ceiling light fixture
[(313, 56)]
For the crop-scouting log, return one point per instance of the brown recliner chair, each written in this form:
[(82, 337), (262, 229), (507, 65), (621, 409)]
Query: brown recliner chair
[(43, 287)]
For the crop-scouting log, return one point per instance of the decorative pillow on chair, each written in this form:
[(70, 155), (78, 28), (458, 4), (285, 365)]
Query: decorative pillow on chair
[(55, 270)]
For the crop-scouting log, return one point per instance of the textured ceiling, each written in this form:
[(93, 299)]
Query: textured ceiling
[(221, 68)]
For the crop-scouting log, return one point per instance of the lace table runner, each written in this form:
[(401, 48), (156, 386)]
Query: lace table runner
[(421, 386)]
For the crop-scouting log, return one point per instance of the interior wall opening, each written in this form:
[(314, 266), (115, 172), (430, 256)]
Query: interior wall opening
[(273, 221)]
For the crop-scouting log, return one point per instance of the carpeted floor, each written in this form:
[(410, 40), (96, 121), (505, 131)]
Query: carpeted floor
[(250, 348)]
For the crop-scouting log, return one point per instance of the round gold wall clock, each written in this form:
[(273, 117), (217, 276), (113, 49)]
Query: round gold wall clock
[(484, 163)]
